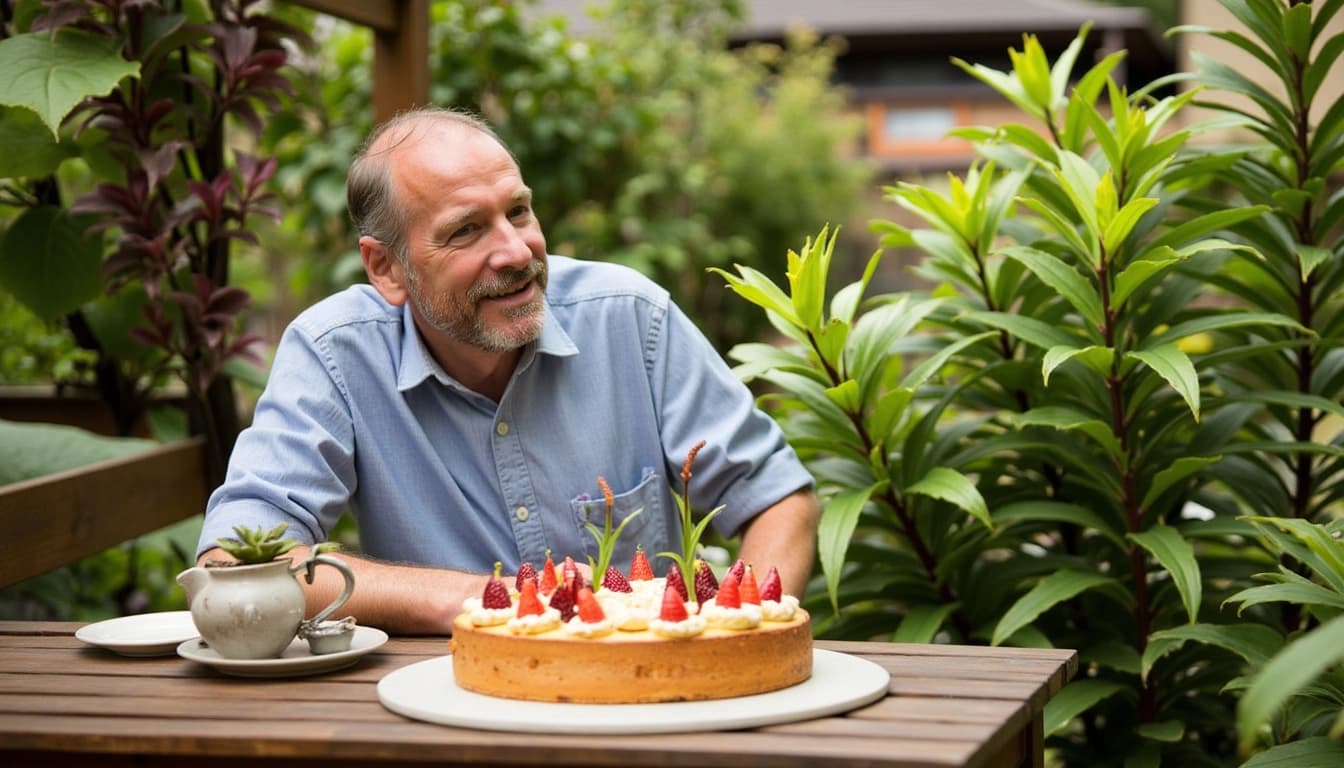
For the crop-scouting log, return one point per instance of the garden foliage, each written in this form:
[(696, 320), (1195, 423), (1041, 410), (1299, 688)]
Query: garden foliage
[(1115, 424)]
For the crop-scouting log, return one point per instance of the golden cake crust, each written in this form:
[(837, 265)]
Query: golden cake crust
[(631, 667)]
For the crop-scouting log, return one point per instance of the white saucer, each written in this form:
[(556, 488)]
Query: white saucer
[(426, 691), (295, 661), (145, 634)]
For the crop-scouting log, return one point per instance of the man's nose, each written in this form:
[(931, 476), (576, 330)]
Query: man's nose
[(509, 247)]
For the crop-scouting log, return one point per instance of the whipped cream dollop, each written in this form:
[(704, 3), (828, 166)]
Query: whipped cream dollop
[(485, 617), (779, 610), (748, 616), (689, 627), (580, 628), (536, 623)]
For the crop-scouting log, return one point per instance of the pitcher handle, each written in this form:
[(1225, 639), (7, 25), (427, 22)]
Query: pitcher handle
[(310, 566)]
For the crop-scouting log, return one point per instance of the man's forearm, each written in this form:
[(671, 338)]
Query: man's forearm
[(399, 599), (785, 536)]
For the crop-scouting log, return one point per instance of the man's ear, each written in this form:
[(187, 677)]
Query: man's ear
[(385, 272)]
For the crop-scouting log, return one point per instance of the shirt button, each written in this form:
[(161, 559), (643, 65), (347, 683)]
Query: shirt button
[(521, 513), (502, 428)]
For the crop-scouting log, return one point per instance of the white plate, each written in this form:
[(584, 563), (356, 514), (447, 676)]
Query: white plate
[(427, 691), (145, 634), (295, 661)]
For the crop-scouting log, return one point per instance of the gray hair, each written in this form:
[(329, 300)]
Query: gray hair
[(369, 195)]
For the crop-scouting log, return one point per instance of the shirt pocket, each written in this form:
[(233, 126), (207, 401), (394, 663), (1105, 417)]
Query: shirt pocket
[(647, 530)]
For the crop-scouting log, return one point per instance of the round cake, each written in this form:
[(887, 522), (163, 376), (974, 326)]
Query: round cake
[(619, 647)]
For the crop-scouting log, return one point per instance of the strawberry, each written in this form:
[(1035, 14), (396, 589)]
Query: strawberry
[(525, 572), (615, 581), (640, 570), (674, 609), (562, 600), (705, 583), (770, 586), (590, 612), (495, 594), (751, 594), (528, 602), (548, 577), (675, 580), (737, 570), (570, 571), (728, 596)]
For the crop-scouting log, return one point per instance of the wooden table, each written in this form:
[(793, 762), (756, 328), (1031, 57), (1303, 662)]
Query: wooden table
[(66, 703)]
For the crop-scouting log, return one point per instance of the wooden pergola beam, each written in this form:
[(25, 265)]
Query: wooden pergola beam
[(400, 48)]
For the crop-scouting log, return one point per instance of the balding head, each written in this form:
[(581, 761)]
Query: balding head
[(369, 192)]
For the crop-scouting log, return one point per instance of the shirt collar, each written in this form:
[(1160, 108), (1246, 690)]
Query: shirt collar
[(417, 364)]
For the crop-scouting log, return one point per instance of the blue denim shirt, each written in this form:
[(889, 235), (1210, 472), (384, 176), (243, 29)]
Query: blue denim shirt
[(620, 385)]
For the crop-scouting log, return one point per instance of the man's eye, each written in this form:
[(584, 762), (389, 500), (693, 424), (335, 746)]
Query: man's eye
[(520, 212), (463, 233)]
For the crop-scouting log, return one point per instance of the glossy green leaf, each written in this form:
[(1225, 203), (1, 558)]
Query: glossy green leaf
[(1138, 272), (1179, 470), (922, 622), (1171, 551), (1312, 752), (1076, 698), (1173, 365), (1071, 420), (1053, 589), (27, 147), (1054, 272), (1255, 643), (1119, 227), (1170, 731), (50, 75), (753, 285), (1305, 593), (48, 263), (1312, 257), (839, 517), (1055, 512), (953, 487), (1096, 358), (1035, 332), (1300, 662)]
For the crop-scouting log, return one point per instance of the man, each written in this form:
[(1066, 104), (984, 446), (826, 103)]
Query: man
[(466, 401)]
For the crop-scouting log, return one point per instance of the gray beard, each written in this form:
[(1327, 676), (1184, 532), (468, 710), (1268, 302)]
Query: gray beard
[(462, 321)]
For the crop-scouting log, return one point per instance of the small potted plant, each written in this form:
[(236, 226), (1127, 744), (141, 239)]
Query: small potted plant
[(252, 608)]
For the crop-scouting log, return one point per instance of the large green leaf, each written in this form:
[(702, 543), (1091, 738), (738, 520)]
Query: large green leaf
[(1076, 698), (48, 264), (1071, 420), (1176, 472), (1313, 752), (1054, 272), (1175, 367), (1174, 553), (27, 148), (1055, 512), (50, 75), (1300, 592), (1255, 643), (953, 487), (29, 450), (1049, 591), (1287, 673), (922, 622), (838, 520)]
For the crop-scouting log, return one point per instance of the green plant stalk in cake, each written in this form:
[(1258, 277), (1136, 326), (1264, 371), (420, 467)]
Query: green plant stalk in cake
[(606, 537), (690, 530)]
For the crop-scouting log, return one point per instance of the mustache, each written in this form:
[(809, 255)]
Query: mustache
[(508, 282)]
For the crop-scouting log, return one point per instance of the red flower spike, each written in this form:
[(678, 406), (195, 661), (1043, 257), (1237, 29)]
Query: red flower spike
[(728, 596), (673, 609), (528, 602), (676, 581), (705, 583), (771, 589), (525, 572), (496, 595), (640, 570), (590, 612), (549, 580), (615, 581), (751, 594)]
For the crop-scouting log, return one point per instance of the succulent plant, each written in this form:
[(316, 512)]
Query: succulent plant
[(257, 545)]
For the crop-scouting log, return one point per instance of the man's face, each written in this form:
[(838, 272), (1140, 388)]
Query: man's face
[(476, 256)]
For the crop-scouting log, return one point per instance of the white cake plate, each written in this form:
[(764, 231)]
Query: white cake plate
[(427, 691)]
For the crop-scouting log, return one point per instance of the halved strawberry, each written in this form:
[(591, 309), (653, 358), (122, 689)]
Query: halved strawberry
[(615, 581), (562, 599), (673, 608), (751, 594), (676, 580), (705, 583), (549, 580), (728, 596), (771, 589), (590, 612), (640, 570), (528, 602), (495, 594), (525, 571)]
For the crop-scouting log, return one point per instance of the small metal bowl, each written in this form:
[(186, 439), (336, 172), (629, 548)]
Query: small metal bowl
[(328, 636)]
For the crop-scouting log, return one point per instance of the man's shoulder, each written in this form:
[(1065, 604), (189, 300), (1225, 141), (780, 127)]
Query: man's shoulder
[(358, 305), (575, 281)]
